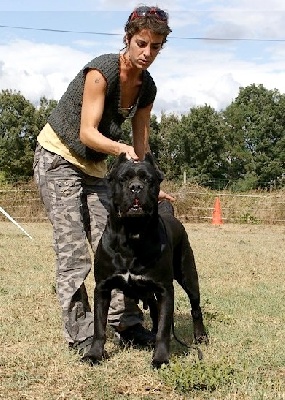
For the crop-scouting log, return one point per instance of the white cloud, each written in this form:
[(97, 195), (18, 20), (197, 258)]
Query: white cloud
[(37, 69), (187, 72), (184, 79), (248, 18)]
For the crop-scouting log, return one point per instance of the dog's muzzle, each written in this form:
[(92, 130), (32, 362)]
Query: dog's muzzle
[(136, 186)]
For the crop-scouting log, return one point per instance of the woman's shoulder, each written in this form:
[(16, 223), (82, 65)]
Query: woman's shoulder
[(107, 64), (103, 60), (148, 90), (148, 80)]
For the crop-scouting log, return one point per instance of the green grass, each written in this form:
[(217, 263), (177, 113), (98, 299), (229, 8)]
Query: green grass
[(242, 279)]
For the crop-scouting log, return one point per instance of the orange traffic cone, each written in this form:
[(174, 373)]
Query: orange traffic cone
[(217, 213)]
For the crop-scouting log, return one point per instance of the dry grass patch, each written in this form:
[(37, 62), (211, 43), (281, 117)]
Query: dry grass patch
[(242, 283)]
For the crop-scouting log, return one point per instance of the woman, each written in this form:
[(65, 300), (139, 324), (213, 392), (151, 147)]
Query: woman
[(70, 167)]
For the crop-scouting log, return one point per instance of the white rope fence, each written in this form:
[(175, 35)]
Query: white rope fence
[(14, 222)]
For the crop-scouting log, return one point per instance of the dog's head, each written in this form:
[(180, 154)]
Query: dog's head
[(134, 186)]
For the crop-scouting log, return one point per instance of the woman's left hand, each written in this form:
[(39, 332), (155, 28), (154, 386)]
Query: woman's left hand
[(165, 196)]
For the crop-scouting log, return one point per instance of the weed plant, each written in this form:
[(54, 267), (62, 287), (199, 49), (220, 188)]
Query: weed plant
[(242, 277)]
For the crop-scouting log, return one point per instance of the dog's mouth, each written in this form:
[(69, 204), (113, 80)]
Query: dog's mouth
[(134, 210)]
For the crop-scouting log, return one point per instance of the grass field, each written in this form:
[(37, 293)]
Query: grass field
[(242, 279)]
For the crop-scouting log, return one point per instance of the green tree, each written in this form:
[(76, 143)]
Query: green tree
[(20, 123), (255, 135), (17, 126), (155, 141), (43, 111), (169, 147), (194, 143), (204, 146)]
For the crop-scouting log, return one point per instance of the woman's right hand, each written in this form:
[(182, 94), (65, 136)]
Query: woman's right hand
[(129, 150)]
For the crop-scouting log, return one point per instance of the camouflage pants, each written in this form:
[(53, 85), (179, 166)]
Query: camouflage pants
[(77, 206)]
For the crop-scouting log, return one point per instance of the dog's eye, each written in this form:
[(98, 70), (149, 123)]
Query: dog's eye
[(144, 177), (148, 179), (124, 178)]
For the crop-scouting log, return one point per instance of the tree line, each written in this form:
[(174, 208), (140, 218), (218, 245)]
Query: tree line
[(241, 147)]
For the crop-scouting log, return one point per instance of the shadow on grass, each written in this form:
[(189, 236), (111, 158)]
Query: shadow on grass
[(183, 330)]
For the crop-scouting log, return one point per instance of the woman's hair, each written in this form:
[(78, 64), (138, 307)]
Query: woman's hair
[(151, 18)]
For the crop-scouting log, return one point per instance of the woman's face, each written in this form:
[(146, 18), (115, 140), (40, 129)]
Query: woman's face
[(144, 47)]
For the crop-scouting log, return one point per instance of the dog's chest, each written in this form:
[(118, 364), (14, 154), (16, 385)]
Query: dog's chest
[(130, 269), (133, 279), (132, 276), (136, 285)]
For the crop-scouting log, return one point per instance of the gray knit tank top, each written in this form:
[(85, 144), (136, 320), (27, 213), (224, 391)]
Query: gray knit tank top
[(65, 118)]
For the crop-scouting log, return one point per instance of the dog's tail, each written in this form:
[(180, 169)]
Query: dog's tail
[(189, 347)]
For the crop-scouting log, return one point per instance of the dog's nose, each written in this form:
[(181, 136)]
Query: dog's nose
[(135, 186)]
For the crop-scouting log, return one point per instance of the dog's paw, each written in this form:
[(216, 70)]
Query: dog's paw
[(91, 361), (201, 338), (157, 364)]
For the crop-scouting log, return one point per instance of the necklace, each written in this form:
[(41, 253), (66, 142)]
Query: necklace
[(126, 112)]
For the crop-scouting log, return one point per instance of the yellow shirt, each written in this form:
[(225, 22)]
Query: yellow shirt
[(49, 140)]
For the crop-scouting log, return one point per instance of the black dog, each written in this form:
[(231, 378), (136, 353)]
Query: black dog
[(141, 252)]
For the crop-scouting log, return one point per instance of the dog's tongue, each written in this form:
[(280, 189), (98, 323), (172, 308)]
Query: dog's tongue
[(136, 202)]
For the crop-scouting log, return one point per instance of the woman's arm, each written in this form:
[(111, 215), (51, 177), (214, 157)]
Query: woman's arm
[(141, 127), (91, 114)]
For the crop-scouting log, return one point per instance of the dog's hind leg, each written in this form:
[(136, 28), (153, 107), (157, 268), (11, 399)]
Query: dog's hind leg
[(186, 275), (101, 307)]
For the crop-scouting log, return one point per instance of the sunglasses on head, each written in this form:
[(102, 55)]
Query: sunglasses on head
[(145, 11)]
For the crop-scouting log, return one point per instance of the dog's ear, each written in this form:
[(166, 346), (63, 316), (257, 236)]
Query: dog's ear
[(119, 160), (122, 158), (150, 158)]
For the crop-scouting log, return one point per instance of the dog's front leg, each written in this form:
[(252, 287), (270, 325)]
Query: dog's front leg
[(162, 343), (153, 310), (101, 306)]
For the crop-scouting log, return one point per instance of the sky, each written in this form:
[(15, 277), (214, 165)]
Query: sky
[(215, 47)]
